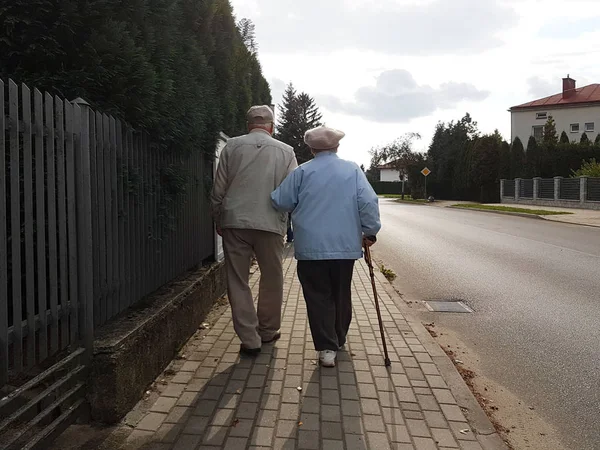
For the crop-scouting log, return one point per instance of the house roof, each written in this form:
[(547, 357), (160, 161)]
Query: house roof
[(391, 165), (583, 95)]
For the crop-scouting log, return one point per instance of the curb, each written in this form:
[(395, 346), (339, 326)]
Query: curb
[(527, 216), (485, 432)]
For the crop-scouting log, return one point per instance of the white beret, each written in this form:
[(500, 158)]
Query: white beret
[(260, 115), (323, 138)]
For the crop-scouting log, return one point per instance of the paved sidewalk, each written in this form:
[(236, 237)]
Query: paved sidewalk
[(284, 400), (578, 216)]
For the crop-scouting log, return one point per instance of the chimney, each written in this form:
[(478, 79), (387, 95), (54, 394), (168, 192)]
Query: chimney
[(568, 87)]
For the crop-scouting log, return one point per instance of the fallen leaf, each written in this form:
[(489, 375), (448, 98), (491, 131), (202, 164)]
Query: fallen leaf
[(465, 431), (300, 424), (235, 422), (299, 388), (239, 391)]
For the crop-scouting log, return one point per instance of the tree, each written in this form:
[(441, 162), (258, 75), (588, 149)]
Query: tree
[(584, 139), (299, 113), (446, 155), (597, 141), (247, 31), (564, 138), (517, 159), (550, 134), (362, 167), (532, 158), (400, 154), (177, 68)]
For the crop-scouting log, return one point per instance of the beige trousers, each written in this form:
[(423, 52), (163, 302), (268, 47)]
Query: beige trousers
[(239, 246)]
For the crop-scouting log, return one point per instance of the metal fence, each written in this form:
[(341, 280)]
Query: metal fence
[(93, 218), (582, 192)]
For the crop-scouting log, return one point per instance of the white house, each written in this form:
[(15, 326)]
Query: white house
[(575, 111), (389, 172)]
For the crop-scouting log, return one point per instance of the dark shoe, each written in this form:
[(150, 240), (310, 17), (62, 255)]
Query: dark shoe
[(252, 352), (273, 339)]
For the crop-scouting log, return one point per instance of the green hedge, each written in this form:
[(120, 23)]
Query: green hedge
[(388, 187)]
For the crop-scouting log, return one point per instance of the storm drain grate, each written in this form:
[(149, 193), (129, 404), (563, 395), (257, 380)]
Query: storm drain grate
[(447, 306)]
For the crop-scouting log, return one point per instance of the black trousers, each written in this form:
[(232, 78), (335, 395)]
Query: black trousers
[(327, 287)]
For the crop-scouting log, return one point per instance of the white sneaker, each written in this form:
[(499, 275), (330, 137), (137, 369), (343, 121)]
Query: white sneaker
[(327, 358)]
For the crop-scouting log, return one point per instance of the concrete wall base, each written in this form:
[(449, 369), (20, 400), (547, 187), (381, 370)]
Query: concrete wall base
[(132, 350)]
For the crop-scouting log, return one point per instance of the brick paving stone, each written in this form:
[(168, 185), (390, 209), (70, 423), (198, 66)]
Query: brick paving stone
[(331, 430), (251, 395), (329, 383), (417, 415), (374, 423), (309, 422), (182, 377), (308, 440), (418, 428), (242, 428), (347, 378), (330, 397), (235, 385), (331, 413), (425, 444), (428, 402), (392, 416), (196, 425), (151, 422), (190, 366), (355, 442), (215, 436), (223, 417), (378, 441), (173, 390), (286, 428), (186, 441), (188, 399), (168, 432), (453, 413), (267, 419), (364, 377), (457, 427), (352, 408), (470, 445), (235, 443), (399, 433), (164, 404), (292, 381), (311, 405), (367, 390), (262, 437), (270, 401), (444, 438), (333, 445), (349, 392), (205, 408), (435, 419), (230, 401), (289, 411), (444, 396)]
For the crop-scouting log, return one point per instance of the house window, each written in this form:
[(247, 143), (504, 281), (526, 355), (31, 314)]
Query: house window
[(538, 133), (541, 115), (574, 128), (589, 127)]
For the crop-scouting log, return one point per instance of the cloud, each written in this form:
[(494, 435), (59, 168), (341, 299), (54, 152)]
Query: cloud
[(416, 28), (397, 98), (569, 29), (540, 88)]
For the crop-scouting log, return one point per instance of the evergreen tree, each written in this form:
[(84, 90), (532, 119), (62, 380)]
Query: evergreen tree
[(550, 134), (564, 138), (299, 113), (597, 141), (517, 159), (532, 158), (584, 139)]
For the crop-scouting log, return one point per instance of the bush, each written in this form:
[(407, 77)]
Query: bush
[(387, 187), (590, 169)]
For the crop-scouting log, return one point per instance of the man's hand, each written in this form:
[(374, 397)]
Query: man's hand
[(219, 231), (368, 241)]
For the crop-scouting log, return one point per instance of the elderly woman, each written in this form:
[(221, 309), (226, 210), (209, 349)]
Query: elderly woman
[(334, 211)]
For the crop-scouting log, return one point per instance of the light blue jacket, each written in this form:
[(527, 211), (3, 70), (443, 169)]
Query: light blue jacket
[(332, 206)]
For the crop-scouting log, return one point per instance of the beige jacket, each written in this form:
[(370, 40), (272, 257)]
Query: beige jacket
[(250, 168)]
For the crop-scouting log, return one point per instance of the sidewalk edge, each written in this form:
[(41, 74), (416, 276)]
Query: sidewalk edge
[(527, 216), (486, 434)]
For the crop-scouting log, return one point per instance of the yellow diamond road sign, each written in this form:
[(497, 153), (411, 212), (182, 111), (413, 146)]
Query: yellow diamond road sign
[(425, 171)]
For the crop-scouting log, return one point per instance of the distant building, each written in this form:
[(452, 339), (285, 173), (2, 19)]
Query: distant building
[(575, 111), (389, 172)]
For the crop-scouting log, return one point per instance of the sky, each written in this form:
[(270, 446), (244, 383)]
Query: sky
[(379, 70)]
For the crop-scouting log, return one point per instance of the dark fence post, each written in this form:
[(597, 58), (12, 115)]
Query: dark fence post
[(85, 243)]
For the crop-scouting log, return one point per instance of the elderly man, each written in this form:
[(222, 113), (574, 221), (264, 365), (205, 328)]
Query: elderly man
[(335, 211), (250, 167)]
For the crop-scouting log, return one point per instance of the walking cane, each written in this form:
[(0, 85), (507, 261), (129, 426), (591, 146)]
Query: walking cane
[(386, 360)]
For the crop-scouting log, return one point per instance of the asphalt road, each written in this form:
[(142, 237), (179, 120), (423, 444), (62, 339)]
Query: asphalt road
[(535, 289)]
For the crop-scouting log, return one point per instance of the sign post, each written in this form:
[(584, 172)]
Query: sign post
[(425, 173)]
